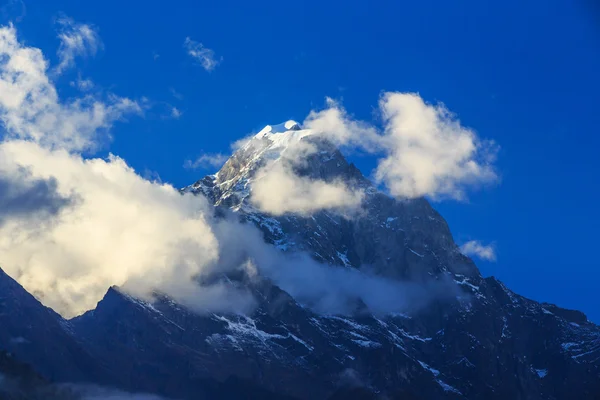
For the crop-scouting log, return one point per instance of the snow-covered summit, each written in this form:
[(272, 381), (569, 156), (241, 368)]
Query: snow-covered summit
[(280, 137), (279, 128), (231, 185)]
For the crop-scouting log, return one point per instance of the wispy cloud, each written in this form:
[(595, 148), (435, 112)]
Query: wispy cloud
[(176, 113), (206, 161), (205, 56), (176, 94), (82, 84), (475, 248), (75, 40), (13, 10)]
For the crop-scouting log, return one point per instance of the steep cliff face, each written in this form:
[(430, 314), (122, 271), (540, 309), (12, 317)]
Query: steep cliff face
[(477, 341)]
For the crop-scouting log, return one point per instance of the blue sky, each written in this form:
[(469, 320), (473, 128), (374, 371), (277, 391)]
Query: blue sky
[(522, 74)]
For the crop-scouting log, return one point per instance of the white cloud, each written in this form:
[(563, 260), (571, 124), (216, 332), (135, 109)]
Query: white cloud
[(205, 56), (176, 113), (477, 249), (84, 85), (278, 190), (75, 40), (336, 125), (423, 148), (323, 288), (30, 108), (206, 161), (428, 151), (121, 230)]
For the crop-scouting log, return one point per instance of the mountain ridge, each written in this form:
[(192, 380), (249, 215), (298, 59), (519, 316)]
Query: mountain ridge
[(478, 341)]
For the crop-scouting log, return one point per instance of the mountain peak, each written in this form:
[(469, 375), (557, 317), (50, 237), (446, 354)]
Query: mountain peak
[(274, 139), (289, 125), (308, 153)]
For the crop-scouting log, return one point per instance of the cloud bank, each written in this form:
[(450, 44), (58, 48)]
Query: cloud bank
[(120, 228), (324, 289)]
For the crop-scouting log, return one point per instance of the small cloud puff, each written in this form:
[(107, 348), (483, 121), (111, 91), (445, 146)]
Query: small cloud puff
[(176, 113), (206, 161), (475, 248)]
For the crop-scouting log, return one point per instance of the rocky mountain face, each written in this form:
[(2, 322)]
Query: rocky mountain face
[(36, 335), (478, 341)]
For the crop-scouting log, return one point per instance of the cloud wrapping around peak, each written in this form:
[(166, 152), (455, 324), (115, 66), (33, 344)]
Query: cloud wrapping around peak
[(475, 248), (84, 85), (277, 187), (337, 126), (422, 150), (122, 229), (205, 56), (75, 40), (278, 190)]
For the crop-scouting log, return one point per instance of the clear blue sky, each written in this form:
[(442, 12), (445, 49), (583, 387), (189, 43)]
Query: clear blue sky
[(525, 74)]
